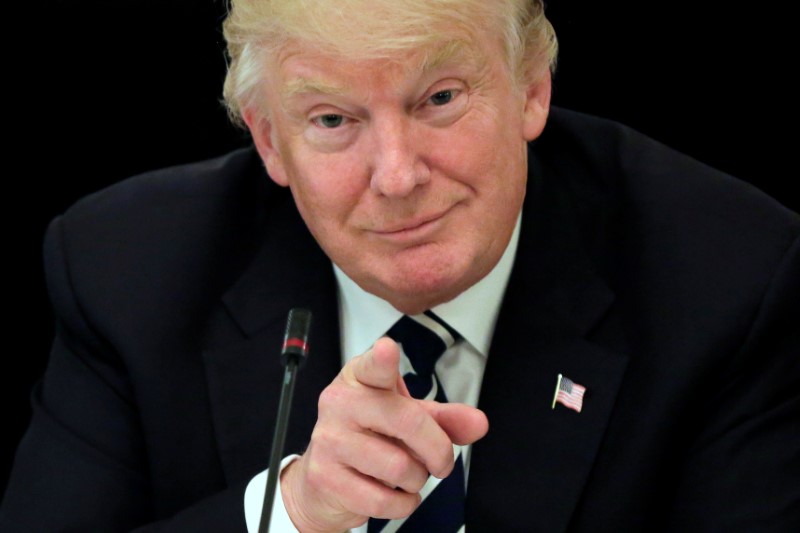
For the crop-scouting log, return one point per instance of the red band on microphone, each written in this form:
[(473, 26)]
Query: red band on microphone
[(295, 343)]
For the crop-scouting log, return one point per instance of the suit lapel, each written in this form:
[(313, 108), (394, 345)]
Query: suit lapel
[(243, 345), (557, 317)]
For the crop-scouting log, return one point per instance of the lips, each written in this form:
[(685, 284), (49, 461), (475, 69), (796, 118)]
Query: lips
[(407, 226)]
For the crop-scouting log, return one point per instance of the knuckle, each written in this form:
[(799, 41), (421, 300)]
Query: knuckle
[(325, 449), (417, 481), (396, 466), (325, 439), (412, 418), (381, 504), (412, 502), (442, 464), (331, 398)]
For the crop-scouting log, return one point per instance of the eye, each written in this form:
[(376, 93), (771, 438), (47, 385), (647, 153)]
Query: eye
[(442, 97), (329, 121), (445, 102)]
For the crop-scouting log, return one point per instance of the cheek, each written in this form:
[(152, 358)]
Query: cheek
[(480, 154), (326, 189), (460, 153), (493, 164)]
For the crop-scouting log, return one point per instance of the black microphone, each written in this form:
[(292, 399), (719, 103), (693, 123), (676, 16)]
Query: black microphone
[(295, 342), (293, 356)]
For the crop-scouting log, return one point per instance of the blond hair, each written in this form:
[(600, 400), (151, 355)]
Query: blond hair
[(375, 29)]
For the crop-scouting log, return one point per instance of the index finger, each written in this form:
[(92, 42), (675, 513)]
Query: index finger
[(379, 367)]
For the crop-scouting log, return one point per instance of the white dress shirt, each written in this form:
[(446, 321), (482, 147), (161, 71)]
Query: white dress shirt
[(364, 318)]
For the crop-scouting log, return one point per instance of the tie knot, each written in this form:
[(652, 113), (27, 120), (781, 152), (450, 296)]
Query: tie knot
[(423, 338)]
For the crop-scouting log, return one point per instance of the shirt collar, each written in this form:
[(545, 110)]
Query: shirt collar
[(473, 313)]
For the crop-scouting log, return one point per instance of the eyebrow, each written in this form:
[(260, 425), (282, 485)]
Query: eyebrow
[(455, 49), (441, 55), (301, 86)]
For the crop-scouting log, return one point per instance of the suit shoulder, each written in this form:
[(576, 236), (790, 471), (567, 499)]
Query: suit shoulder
[(659, 225), (231, 174), (657, 185), (171, 239), (179, 207)]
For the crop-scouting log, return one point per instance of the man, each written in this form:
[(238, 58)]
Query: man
[(427, 168)]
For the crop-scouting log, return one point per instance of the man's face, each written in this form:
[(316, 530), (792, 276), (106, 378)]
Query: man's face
[(409, 174)]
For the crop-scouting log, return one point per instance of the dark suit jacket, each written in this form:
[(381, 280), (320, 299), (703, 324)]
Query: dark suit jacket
[(668, 290)]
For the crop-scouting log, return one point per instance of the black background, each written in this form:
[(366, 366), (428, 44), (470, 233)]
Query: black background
[(103, 90)]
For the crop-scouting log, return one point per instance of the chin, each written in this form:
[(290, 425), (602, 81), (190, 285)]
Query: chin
[(420, 279), (419, 289)]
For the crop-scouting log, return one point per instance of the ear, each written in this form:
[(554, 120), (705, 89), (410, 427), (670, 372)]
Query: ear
[(537, 105), (261, 130)]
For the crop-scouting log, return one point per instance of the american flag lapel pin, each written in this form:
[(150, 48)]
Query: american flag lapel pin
[(568, 393)]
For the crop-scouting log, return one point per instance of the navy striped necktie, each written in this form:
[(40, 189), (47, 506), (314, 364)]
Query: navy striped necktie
[(423, 339)]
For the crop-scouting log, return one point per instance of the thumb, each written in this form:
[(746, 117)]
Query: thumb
[(462, 423)]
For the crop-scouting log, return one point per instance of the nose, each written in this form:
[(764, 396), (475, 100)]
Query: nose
[(398, 167)]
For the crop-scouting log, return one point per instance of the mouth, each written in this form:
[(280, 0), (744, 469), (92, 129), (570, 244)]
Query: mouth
[(412, 226)]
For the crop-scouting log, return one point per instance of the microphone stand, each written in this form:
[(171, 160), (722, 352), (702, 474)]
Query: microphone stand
[(293, 356)]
